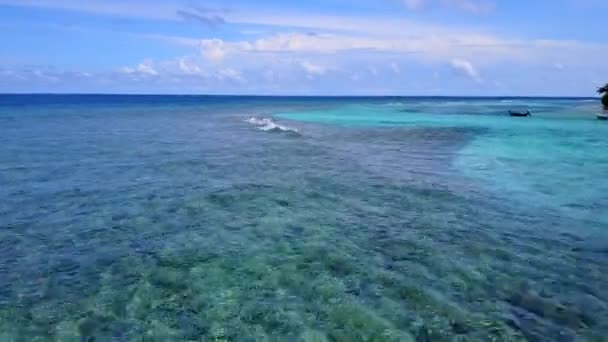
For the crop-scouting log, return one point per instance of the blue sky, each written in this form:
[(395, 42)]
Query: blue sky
[(330, 47)]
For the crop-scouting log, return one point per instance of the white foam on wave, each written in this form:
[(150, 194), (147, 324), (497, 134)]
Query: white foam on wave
[(268, 125), (393, 104)]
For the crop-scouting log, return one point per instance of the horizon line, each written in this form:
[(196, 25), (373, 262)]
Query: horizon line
[(300, 95)]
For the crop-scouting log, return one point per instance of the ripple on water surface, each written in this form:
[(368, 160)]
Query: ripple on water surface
[(207, 229)]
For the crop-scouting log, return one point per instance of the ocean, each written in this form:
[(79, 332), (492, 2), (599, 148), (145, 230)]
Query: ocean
[(209, 218)]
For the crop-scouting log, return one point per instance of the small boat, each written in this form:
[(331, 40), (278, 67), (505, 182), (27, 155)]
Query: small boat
[(520, 113), (602, 116)]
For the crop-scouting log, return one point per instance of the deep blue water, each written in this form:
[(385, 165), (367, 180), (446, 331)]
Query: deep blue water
[(315, 219)]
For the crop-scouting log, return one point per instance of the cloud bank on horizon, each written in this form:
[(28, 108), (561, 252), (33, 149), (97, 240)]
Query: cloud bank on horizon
[(332, 47)]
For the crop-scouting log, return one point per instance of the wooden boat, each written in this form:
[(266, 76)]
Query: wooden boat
[(520, 113), (602, 116)]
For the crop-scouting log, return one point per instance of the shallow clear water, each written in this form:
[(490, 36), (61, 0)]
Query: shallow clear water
[(387, 219)]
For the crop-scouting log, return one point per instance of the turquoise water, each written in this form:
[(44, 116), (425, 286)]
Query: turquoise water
[(314, 219), (554, 161)]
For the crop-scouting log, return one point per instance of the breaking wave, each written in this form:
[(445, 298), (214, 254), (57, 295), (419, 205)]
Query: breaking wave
[(268, 125)]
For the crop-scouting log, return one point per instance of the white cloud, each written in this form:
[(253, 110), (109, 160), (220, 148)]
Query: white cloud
[(45, 76), (342, 46), (313, 69), (464, 53), (144, 68), (188, 68), (466, 68), (12, 74), (213, 49), (337, 33), (147, 68), (230, 74), (431, 46)]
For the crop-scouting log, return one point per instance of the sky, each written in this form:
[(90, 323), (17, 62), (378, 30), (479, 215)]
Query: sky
[(313, 47)]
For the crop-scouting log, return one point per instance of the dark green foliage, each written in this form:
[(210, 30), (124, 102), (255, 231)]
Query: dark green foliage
[(604, 90)]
